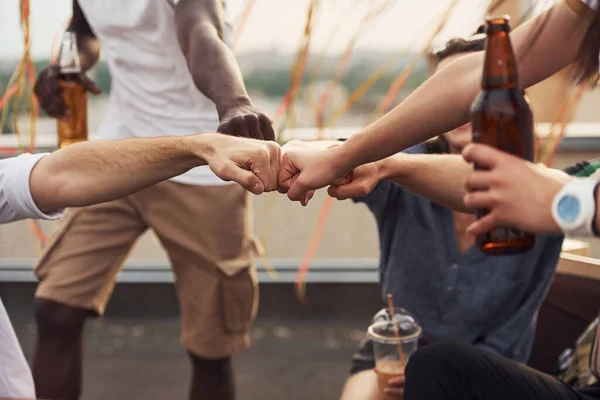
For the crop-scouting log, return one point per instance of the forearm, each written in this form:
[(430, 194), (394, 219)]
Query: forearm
[(210, 60), (215, 70), (100, 171), (439, 177), (441, 104), (544, 46)]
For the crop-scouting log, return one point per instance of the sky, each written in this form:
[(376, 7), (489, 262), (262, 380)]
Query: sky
[(277, 25)]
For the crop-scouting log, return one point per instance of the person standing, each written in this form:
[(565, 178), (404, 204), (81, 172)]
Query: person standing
[(41, 186), (172, 73)]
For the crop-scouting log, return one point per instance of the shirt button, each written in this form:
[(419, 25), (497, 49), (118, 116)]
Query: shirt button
[(454, 266)]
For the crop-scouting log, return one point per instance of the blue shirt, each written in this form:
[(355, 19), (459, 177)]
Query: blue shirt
[(487, 300)]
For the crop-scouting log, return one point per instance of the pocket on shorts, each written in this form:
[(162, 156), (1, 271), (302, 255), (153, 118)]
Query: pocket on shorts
[(66, 222), (239, 297)]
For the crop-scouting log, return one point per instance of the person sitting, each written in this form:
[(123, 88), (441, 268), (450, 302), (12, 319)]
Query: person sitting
[(430, 265)]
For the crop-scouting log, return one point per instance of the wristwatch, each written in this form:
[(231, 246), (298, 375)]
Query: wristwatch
[(574, 207)]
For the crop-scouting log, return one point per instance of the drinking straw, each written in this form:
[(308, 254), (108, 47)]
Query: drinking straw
[(396, 330)]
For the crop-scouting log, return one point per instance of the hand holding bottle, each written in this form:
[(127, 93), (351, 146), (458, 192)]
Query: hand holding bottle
[(48, 91)]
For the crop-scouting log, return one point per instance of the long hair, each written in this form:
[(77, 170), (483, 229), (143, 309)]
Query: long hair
[(588, 56)]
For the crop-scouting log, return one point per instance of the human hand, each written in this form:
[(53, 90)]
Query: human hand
[(252, 163), (49, 91), (395, 386), (306, 170), (296, 144), (246, 121), (517, 193), (359, 183)]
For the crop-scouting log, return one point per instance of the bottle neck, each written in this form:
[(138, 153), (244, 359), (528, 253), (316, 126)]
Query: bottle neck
[(68, 58), (500, 67)]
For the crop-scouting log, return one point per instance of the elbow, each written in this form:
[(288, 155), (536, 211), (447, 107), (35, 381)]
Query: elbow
[(46, 189)]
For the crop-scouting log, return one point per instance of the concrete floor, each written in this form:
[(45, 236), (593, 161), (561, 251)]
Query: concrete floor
[(299, 352)]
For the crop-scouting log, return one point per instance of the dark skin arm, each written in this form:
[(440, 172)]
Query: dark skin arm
[(47, 86), (201, 34)]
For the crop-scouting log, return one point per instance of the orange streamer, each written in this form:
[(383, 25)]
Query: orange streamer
[(56, 40), (20, 92), (344, 64), (242, 24), (554, 141), (312, 250), (396, 86), (402, 78), (298, 69)]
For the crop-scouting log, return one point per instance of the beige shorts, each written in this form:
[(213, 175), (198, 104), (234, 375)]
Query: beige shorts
[(206, 232)]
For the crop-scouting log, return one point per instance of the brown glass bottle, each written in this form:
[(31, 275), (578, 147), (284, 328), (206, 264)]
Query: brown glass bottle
[(501, 117), (74, 128)]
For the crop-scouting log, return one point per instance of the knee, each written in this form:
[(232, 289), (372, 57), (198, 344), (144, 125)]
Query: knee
[(52, 317), (437, 359), (436, 372)]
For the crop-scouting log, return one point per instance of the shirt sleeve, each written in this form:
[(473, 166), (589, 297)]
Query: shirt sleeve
[(584, 8), (15, 196)]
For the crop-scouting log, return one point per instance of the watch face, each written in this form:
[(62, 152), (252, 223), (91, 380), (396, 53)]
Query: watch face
[(569, 208)]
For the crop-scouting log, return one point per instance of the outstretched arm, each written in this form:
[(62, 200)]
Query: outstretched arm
[(94, 172), (201, 34), (32, 186), (439, 177), (443, 102)]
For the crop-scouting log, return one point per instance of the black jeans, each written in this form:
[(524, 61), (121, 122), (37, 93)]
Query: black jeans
[(447, 370), (364, 358)]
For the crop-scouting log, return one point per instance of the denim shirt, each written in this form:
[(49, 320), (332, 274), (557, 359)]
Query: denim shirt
[(490, 301)]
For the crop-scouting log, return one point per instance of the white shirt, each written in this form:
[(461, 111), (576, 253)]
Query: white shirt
[(16, 203), (152, 91)]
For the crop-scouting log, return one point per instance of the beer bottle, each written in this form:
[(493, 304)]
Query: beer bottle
[(501, 117), (74, 128)]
